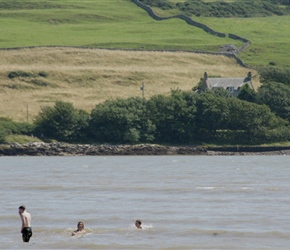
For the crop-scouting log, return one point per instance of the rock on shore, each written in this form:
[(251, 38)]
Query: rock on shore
[(63, 149)]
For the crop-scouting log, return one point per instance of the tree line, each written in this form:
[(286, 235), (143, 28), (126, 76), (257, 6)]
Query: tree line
[(183, 117), (239, 8)]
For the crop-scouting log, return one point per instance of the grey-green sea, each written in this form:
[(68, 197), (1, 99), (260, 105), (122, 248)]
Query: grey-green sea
[(184, 202)]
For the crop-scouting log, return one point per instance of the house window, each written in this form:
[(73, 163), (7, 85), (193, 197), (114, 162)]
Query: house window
[(231, 89)]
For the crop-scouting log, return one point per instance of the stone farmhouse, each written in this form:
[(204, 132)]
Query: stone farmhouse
[(233, 85)]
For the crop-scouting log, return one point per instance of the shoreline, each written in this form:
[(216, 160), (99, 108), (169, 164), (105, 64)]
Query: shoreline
[(65, 149)]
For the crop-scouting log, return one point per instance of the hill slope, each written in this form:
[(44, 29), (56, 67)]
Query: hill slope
[(101, 24), (86, 77)]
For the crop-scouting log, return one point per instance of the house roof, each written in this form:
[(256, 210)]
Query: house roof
[(227, 82)]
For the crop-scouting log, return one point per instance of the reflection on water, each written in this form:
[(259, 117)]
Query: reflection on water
[(184, 202)]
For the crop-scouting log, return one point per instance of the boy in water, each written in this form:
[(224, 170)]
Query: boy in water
[(138, 224), (26, 223)]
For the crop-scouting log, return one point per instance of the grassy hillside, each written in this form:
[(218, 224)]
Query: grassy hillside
[(270, 36), (121, 24), (96, 23), (86, 77)]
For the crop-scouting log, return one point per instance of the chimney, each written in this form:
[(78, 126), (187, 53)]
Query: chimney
[(205, 76), (249, 75)]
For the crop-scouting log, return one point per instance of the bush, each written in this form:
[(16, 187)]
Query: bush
[(2, 136), (42, 74), (275, 74), (39, 83), (225, 9), (14, 74), (9, 127), (62, 122), (122, 121), (162, 4)]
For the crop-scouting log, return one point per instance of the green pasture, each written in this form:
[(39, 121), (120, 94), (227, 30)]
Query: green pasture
[(270, 37), (97, 23), (121, 24)]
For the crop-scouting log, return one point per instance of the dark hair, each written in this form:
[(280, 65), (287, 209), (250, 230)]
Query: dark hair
[(138, 221), (22, 207), (82, 223)]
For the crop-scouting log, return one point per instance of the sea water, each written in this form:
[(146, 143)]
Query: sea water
[(184, 202)]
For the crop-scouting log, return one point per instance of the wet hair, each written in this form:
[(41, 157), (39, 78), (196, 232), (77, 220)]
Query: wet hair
[(138, 222), (22, 207), (80, 223)]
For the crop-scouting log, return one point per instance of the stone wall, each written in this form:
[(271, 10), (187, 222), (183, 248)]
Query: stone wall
[(156, 17), (199, 25), (233, 36), (183, 17)]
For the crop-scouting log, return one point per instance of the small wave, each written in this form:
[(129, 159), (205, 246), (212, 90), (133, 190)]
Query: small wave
[(273, 189), (247, 188), (218, 232), (147, 226), (206, 188)]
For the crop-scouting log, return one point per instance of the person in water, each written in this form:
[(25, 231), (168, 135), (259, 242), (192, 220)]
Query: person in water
[(26, 224), (80, 229), (138, 224)]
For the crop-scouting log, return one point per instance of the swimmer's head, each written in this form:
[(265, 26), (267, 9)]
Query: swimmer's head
[(138, 224), (81, 225), (22, 208)]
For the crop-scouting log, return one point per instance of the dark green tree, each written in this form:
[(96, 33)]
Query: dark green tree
[(212, 115), (174, 116), (277, 97), (253, 123), (121, 121), (275, 74), (231, 120), (247, 94), (62, 122)]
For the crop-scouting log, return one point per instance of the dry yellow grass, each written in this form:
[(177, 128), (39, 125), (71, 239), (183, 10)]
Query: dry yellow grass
[(86, 77)]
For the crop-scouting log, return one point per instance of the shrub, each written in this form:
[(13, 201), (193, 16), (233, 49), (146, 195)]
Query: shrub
[(42, 74), (14, 74), (9, 127), (121, 121), (225, 9), (39, 83), (62, 122), (275, 74)]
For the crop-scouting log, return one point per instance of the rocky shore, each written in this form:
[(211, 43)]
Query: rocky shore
[(64, 149)]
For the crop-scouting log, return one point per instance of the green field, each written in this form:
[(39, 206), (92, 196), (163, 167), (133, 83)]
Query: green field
[(121, 24), (102, 24), (270, 37)]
